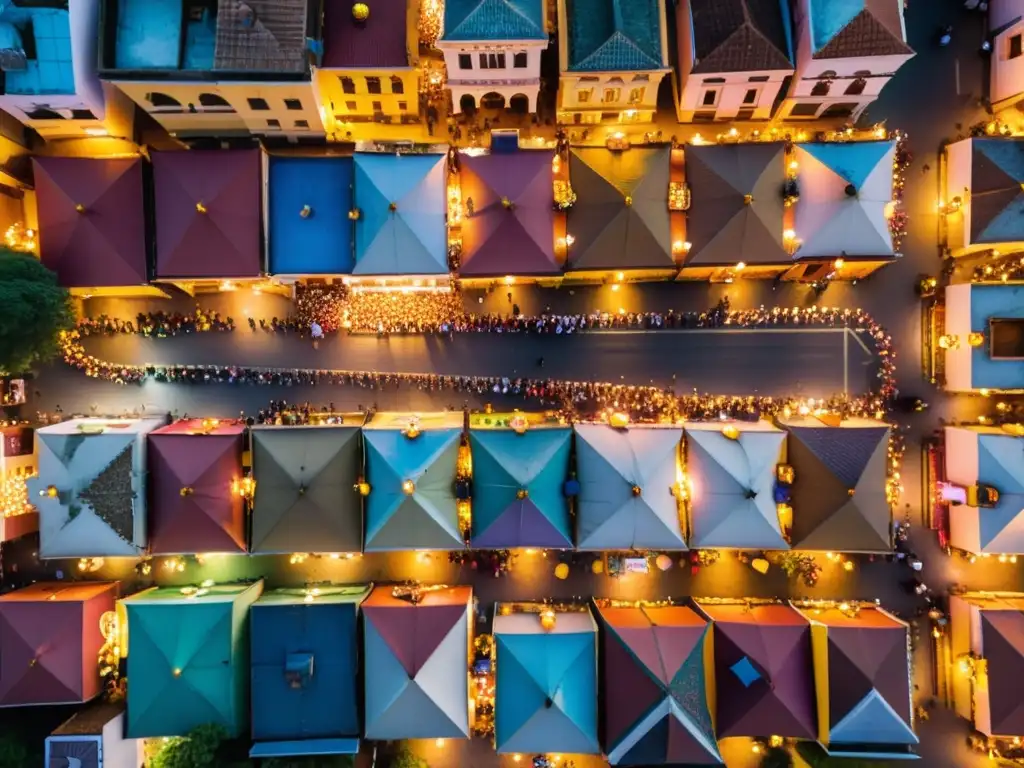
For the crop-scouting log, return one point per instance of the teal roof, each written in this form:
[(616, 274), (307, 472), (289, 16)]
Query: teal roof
[(987, 302), (1001, 465), (830, 17), (852, 161), (494, 20), (614, 35), (188, 660)]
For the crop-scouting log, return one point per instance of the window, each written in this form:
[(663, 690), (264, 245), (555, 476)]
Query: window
[(746, 113), (373, 85), (641, 78), (465, 61), (492, 61), (397, 86), (589, 79), (750, 97), (636, 95), (158, 99), (758, 79), (583, 97), (610, 95), (348, 85), (856, 87), (805, 109), (273, 123), (294, 105), (302, 123), (839, 110), (351, 106), (714, 80), (377, 107), (1015, 46), (82, 114), (258, 104), (42, 113), (214, 101), (519, 60), (403, 106), (710, 98), (821, 88)]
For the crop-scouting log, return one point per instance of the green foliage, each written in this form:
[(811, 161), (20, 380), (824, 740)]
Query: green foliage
[(33, 310), (13, 753), (197, 750), (404, 758)]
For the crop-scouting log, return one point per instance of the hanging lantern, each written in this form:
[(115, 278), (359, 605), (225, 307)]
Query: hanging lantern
[(392, 207), (730, 431), (519, 423), (200, 208), (507, 204), (80, 208), (355, 214), (186, 491), (360, 12), (636, 490), (547, 620), (363, 488), (976, 339), (522, 493), (412, 431), (408, 487), (306, 212), (619, 420), (629, 201)]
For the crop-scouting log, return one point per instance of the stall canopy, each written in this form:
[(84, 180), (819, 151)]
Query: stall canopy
[(546, 683), (620, 220), (845, 192), (763, 671), (92, 227), (518, 488), (187, 658), (91, 487), (306, 497), (862, 677), (656, 685), (731, 476), (417, 683), (628, 479), (305, 666), (193, 465), (207, 214), (995, 633), (412, 489), (402, 208), (994, 460), (737, 209), (996, 195), (50, 641), (309, 230), (509, 224), (838, 496)]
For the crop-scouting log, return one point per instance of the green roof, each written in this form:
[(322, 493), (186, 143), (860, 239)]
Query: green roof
[(494, 20), (614, 35)]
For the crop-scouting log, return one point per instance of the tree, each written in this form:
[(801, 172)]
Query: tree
[(197, 750), (13, 754), (403, 757), (33, 311)]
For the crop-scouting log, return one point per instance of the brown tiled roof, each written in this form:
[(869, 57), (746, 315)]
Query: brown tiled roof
[(261, 36), (738, 36), (875, 31)]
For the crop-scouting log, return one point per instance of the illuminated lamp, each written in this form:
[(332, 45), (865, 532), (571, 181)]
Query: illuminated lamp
[(360, 11), (408, 487), (619, 420), (730, 431), (200, 208), (976, 339), (547, 620)]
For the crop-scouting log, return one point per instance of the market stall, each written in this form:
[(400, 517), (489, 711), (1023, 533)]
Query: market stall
[(306, 488), (416, 651), (411, 469), (50, 641), (546, 679), (195, 467), (93, 736), (629, 487), (305, 667), (656, 684), (981, 337), (187, 658), (983, 197), (91, 487), (519, 487), (731, 477)]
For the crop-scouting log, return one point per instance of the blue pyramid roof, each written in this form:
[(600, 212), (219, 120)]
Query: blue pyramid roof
[(402, 228), (872, 721), (852, 161), (494, 20), (614, 35)]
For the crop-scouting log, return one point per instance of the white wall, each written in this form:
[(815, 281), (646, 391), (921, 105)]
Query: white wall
[(595, 85), (959, 162), (958, 322), (731, 94), (961, 446), (1006, 74), (119, 752), (508, 81)]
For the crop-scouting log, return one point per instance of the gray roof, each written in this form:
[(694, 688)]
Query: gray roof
[(261, 36)]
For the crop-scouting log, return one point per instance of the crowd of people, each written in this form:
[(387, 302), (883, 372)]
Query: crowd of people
[(157, 324), (321, 304), (412, 312)]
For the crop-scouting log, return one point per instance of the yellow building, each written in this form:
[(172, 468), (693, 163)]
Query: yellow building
[(369, 67)]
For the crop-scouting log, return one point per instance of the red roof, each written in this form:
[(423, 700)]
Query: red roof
[(50, 642)]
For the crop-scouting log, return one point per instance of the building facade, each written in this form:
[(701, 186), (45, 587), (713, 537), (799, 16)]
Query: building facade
[(219, 68), (734, 58), (369, 70), (847, 50), (613, 55), (48, 56), (492, 51), (1006, 64)]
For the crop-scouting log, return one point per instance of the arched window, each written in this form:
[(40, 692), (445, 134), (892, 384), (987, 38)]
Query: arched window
[(821, 88), (215, 101), (856, 87), (43, 113), (162, 100)]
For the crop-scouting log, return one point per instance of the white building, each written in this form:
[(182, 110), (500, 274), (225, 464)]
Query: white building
[(48, 57), (1006, 64), (223, 68), (492, 51), (847, 50), (734, 57), (613, 55), (984, 195)]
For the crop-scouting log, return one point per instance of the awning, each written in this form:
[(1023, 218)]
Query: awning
[(518, 494), (305, 666), (92, 227), (412, 490), (192, 469), (737, 209), (402, 206), (417, 683), (546, 684), (207, 214), (845, 191), (50, 640), (186, 659), (732, 483), (620, 220), (655, 687), (306, 498), (509, 224), (627, 482), (309, 229)]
